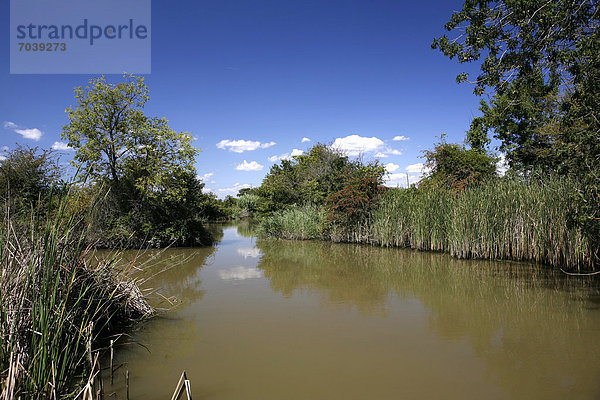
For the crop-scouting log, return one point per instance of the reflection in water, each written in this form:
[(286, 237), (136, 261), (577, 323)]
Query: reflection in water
[(246, 252), (535, 328), (240, 273), (297, 320)]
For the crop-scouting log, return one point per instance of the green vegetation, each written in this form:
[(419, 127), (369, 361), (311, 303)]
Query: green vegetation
[(541, 69), (305, 222), (473, 215), (510, 218), (56, 305), (246, 205), (136, 186), (153, 196), (27, 175), (310, 178), (453, 166)]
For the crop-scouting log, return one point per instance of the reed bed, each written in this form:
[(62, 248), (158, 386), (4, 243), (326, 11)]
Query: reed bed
[(56, 304), (298, 222), (512, 218)]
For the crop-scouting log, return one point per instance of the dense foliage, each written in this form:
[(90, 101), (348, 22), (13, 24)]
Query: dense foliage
[(27, 175), (540, 70), (307, 178), (352, 203), (323, 177), (153, 194), (453, 166)]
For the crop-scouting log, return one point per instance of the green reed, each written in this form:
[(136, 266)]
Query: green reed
[(298, 222), (509, 218), (55, 304)]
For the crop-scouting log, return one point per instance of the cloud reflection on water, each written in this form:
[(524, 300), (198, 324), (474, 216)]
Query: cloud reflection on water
[(240, 273), (252, 252)]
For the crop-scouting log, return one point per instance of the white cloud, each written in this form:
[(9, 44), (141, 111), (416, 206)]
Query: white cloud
[(391, 167), (240, 273), (415, 168), (502, 165), (61, 146), (239, 146), (249, 166), (229, 191), (414, 173), (354, 145), (206, 177), (285, 156), (33, 133), (273, 159), (27, 133), (2, 158), (401, 179), (400, 138), (4, 148), (305, 139)]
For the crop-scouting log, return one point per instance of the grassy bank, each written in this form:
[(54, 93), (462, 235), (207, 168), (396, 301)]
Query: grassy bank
[(298, 222), (56, 305), (509, 218)]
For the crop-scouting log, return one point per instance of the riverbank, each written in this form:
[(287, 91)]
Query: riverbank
[(508, 218), (57, 303)]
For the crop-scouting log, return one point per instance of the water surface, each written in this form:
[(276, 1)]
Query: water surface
[(273, 319)]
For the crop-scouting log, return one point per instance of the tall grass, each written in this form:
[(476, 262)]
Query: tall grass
[(510, 218), (55, 304), (298, 222)]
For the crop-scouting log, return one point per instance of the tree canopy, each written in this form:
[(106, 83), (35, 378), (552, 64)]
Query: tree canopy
[(154, 194), (539, 63), (310, 177), (453, 166), (114, 140)]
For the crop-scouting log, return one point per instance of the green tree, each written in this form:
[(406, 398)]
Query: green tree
[(541, 72), (28, 174), (353, 202), (154, 194), (537, 56), (307, 178), (455, 167), (114, 140)]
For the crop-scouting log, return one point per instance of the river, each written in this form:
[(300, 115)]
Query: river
[(275, 319)]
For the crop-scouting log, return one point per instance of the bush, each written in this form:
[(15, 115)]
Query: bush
[(455, 167), (351, 205)]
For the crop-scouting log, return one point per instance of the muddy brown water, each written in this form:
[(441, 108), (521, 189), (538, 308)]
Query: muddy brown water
[(274, 319)]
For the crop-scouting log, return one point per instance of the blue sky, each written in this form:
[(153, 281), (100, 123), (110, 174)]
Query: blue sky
[(256, 80)]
